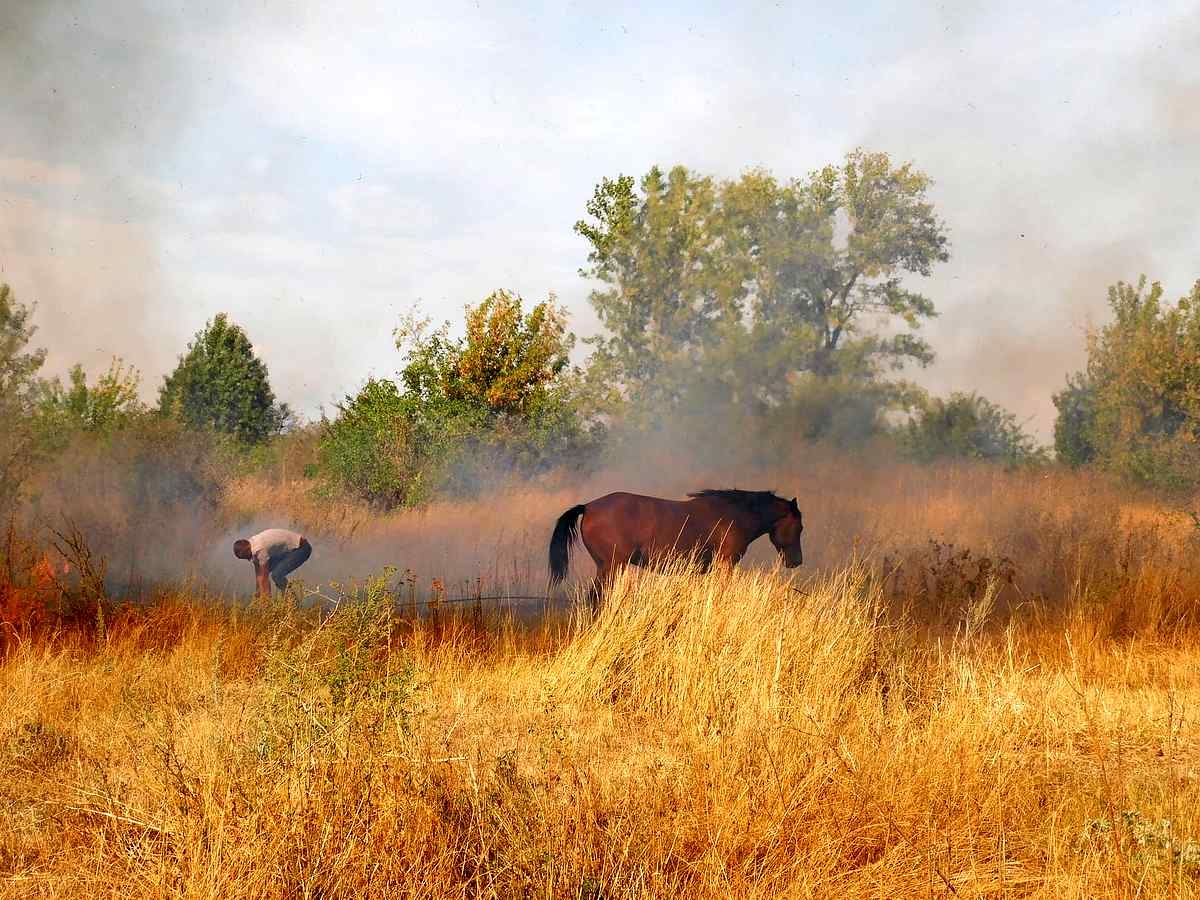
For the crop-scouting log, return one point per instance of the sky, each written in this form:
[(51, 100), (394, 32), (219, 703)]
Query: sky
[(316, 170)]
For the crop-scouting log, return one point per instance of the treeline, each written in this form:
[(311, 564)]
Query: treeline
[(738, 315)]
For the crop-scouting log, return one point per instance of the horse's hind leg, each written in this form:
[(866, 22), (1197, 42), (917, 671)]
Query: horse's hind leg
[(596, 591), (599, 587), (604, 568)]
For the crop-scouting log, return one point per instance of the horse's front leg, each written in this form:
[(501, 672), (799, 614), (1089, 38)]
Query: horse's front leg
[(732, 549)]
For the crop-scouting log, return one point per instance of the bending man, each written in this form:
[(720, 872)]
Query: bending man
[(275, 552)]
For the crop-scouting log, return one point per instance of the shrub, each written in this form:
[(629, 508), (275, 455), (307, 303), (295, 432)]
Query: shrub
[(367, 449), (111, 403), (1076, 421), (1136, 410), (499, 401), (967, 426)]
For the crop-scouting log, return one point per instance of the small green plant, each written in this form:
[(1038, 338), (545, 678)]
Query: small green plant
[(1158, 841), (338, 674)]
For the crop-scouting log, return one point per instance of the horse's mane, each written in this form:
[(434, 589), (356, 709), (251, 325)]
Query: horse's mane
[(757, 502)]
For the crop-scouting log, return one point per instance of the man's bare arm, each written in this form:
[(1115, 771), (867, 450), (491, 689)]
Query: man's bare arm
[(262, 579)]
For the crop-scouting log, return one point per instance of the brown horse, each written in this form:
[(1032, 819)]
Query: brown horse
[(629, 529)]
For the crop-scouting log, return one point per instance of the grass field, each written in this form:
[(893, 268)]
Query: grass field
[(1013, 715)]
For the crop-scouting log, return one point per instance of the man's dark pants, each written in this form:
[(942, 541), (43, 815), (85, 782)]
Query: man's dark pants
[(281, 566)]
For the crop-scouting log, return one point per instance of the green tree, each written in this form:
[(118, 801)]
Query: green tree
[(822, 253), (22, 436), (1142, 383), (109, 404), (368, 449), (667, 285), (967, 426), (221, 384), (1076, 421), (499, 399), (736, 288)]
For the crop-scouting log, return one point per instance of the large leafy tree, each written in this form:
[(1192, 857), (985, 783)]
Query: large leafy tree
[(21, 392), (667, 285), (1136, 408), (741, 287), (221, 384)]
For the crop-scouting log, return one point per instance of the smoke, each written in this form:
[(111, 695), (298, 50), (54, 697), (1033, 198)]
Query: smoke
[(96, 98), (160, 163), (1063, 156)]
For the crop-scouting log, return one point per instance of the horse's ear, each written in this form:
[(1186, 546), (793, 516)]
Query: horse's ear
[(795, 506)]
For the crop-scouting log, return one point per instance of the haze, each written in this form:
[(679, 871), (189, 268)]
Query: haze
[(316, 171)]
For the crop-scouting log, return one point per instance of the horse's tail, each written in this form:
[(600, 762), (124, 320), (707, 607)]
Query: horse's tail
[(566, 530)]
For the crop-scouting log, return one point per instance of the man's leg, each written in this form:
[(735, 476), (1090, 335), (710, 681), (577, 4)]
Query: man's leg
[(288, 563)]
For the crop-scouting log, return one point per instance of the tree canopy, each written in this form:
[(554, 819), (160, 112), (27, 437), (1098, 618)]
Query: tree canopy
[(741, 286), (221, 384), (498, 399), (1136, 407)]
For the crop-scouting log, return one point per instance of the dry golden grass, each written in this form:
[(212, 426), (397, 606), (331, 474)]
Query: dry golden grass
[(904, 720), (707, 736)]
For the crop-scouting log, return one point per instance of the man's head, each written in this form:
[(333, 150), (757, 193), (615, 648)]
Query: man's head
[(241, 548)]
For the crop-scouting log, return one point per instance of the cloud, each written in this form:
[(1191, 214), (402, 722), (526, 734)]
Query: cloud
[(382, 209)]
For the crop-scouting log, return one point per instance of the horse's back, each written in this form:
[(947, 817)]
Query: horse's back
[(633, 526), (625, 498), (635, 507)]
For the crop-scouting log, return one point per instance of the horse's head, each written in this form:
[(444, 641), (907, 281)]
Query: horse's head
[(785, 534)]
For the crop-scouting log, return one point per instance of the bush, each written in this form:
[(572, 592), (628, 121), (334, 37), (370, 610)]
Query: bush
[(967, 426), (498, 402), (367, 449), (1136, 410)]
